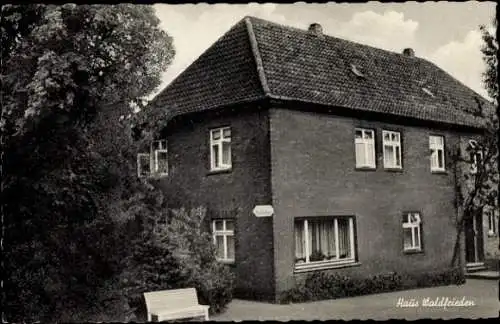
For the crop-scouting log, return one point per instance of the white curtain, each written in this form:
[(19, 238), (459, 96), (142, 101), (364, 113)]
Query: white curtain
[(322, 237), (299, 239), (344, 248)]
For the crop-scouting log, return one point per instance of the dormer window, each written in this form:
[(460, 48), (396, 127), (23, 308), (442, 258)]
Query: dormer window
[(427, 91), (356, 71)]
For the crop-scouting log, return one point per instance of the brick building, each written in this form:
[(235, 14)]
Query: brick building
[(347, 144)]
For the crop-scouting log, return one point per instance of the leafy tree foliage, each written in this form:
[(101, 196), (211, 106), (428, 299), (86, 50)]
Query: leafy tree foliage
[(478, 191), (69, 75)]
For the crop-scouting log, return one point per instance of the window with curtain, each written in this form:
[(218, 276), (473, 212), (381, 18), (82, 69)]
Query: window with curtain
[(223, 236), (412, 232), (436, 145), (159, 155), (392, 149), (220, 148), (364, 141), (324, 240)]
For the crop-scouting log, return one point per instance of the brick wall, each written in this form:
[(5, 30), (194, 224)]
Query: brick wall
[(313, 174), (231, 194)]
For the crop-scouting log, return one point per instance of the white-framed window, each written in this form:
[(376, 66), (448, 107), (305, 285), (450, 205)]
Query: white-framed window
[(364, 141), (492, 216), (324, 241), (391, 142), (223, 235), (476, 156), (220, 148), (412, 232), (143, 165), (436, 145), (154, 162), (159, 157)]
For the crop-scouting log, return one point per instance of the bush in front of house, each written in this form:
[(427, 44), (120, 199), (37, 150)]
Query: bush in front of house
[(176, 251), (192, 244), (323, 285)]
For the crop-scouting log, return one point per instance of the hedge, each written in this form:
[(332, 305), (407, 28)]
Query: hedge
[(323, 285)]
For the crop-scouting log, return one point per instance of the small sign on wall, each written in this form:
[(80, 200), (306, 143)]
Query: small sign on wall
[(263, 211)]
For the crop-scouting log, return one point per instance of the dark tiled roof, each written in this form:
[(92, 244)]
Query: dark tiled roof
[(257, 59)]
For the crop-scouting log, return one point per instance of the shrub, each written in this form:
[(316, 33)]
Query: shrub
[(322, 285), (214, 287), (178, 253)]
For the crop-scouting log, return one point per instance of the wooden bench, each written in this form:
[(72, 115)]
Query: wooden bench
[(174, 304)]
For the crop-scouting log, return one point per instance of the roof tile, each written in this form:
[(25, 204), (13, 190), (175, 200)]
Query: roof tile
[(298, 65)]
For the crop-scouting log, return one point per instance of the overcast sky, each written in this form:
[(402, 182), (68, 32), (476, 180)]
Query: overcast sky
[(446, 33)]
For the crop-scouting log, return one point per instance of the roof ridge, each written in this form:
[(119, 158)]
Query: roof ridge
[(256, 54), (305, 31)]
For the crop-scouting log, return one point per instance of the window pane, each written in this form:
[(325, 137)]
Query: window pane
[(227, 133), (219, 247), (370, 155), (318, 240), (388, 155), (162, 162), (215, 156), (417, 237), (321, 240), (226, 153), (229, 225), (144, 165), (360, 154), (218, 225), (434, 163), (358, 134), (398, 156), (160, 145), (230, 247), (344, 241), (413, 218), (299, 241), (407, 238), (368, 134), (394, 137), (387, 136), (440, 159), (216, 134)]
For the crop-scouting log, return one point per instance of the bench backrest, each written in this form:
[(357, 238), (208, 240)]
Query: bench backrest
[(170, 299)]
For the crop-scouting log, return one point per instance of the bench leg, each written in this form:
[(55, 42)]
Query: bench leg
[(206, 315)]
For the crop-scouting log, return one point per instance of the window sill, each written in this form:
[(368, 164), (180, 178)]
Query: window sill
[(439, 172), (153, 176), (491, 234), (413, 251), (228, 262), (394, 170), (324, 266), (365, 169), (219, 171)]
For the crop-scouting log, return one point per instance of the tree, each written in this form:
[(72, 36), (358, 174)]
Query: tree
[(69, 75), (490, 79), (478, 190)]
